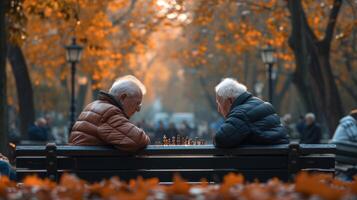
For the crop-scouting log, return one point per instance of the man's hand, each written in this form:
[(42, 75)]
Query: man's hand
[(3, 158)]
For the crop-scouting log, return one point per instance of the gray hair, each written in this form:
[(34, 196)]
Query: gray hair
[(311, 116), (230, 88), (127, 84)]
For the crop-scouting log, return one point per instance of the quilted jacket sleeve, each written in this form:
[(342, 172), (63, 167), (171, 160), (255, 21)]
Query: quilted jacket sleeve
[(121, 133), (231, 133)]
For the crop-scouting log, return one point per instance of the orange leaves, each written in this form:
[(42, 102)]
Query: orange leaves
[(4, 184), (285, 56), (353, 185), (307, 186), (230, 180), (144, 185), (179, 186), (31, 181), (70, 187), (117, 5), (231, 26), (252, 37), (320, 185), (114, 189)]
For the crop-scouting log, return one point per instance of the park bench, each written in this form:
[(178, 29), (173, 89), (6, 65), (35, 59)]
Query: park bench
[(94, 163), (346, 158)]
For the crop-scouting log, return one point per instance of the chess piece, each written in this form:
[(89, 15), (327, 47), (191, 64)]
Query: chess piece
[(164, 140), (178, 140), (173, 140), (196, 141)]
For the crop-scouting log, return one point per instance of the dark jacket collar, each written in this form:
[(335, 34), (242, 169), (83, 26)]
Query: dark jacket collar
[(241, 99), (111, 99)]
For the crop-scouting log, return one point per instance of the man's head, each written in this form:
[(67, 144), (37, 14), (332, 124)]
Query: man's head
[(310, 118), (353, 113), (226, 92), (129, 91), (41, 122), (287, 118)]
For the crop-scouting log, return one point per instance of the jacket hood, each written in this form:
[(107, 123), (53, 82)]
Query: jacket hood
[(348, 119), (111, 99), (240, 100)]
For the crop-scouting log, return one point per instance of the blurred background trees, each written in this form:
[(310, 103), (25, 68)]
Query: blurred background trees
[(180, 50)]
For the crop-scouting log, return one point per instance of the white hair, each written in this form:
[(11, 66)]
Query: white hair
[(311, 116), (127, 84), (230, 88)]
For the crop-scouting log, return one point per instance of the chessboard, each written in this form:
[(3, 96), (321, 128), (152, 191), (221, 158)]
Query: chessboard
[(180, 140)]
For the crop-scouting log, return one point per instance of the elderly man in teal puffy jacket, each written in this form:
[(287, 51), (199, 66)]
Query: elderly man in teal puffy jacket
[(248, 119)]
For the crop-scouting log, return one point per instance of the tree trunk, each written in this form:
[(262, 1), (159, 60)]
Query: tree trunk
[(332, 102), (313, 75), (3, 102), (23, 86)]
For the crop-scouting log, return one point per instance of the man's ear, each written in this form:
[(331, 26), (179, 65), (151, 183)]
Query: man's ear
[(122, 96), (231, 100)]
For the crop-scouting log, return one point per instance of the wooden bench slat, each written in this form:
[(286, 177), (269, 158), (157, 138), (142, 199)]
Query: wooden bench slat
[(39, 162), (194, 162), (346, 159), (100, 161), (152, 150), (241, 162), (177, 150), (167, 175), (317, 161), (317, 148)]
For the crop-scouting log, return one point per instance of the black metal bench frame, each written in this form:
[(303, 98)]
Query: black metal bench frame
[(94, 163), (346, 152), (346, 159)]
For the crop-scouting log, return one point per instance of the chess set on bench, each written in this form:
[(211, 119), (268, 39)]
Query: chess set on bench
[(181, 140)]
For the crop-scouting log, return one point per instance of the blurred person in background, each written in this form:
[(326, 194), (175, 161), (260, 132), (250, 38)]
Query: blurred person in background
[(148, 128), (347, 128), (300, 125), (14, 134), (185, 129), (172, 130), (38, 131), (160, 131), (287, 123), (312, 131)]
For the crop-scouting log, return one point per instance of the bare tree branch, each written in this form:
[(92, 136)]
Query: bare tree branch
[(354, 11), (350, 90), (122, 18), (332, 22)]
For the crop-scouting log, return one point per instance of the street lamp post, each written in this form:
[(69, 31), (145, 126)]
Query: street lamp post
[(73, 53), (268, 58)]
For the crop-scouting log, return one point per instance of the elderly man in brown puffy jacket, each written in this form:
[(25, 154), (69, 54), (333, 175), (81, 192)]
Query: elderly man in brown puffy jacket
[(106, 120)]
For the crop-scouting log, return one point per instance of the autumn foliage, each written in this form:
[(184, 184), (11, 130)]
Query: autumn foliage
[(197, 42), (306, 186)]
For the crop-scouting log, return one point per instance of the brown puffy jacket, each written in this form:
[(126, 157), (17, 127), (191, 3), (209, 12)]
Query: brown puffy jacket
[(103, 122)]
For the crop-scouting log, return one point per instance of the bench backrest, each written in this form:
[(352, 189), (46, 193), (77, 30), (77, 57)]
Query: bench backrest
[(346, 152), (94, 163)]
